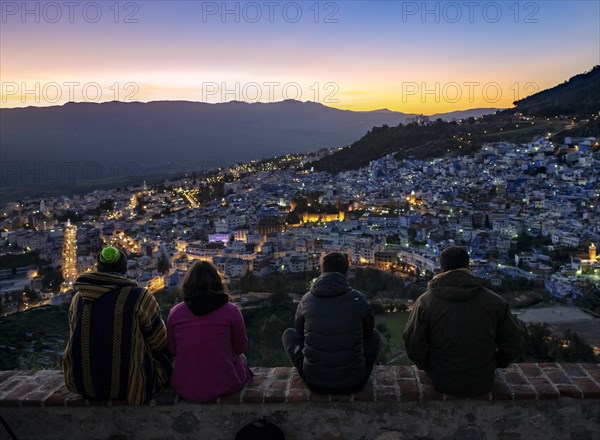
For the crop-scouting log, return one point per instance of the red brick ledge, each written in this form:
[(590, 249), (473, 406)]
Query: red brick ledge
[(543, 381)]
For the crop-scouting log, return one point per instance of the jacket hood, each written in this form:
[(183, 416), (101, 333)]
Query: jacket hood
[(202, 303), (456, 285), (330, 284), (92, 285)]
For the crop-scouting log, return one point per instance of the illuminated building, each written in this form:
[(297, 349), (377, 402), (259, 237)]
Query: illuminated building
[(323, 217), (125, 242), (69, 256), (156, 283), (591, 266), (386, 259), (270, 224), (412, 199)]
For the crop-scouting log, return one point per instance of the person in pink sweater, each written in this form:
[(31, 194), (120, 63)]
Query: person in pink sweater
[(207, 335)]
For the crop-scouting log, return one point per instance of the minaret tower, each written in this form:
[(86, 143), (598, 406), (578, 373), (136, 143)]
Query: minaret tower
[(69, 256)]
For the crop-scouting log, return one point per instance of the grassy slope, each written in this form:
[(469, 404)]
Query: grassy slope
[(34, 339), (396, 322)]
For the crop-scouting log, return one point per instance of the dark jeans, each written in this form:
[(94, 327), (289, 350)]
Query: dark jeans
[(294, 349)]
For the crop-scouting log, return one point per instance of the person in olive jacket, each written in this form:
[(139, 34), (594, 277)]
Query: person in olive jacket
[(334, 345), (459, 332)]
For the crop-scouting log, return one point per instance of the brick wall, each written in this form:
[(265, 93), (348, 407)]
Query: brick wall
[(529, 401)]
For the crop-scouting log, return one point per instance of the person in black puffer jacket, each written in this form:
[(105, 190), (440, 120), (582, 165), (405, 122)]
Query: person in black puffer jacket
[(334, 345)]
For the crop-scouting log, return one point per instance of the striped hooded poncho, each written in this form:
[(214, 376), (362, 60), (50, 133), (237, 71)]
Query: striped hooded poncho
[(117, 348)]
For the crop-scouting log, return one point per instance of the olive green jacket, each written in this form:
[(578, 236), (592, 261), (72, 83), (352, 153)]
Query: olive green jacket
[(459, 332)]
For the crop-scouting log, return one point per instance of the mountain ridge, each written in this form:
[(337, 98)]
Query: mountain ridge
[(578, 96), (195, 133), (441, 138)]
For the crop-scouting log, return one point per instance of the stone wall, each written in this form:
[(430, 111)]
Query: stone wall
[(529, 401)]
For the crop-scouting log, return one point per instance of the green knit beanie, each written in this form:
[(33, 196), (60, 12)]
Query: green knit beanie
[(112, 259), (110, 255)]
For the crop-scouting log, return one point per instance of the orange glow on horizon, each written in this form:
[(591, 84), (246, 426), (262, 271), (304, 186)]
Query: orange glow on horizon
[(429, 95), (55, 93)]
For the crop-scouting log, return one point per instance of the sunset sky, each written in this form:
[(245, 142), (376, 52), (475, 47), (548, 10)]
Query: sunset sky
[(414, 57)]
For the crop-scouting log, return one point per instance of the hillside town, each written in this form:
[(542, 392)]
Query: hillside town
[(523, 211)]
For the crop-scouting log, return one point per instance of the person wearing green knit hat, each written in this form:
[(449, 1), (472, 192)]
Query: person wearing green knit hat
[(112, 259), (117, 347)]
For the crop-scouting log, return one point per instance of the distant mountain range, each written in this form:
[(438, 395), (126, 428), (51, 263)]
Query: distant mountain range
[(42, 147), (578, 97), (79, 146)]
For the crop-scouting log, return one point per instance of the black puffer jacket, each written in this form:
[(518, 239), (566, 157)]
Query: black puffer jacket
[(460, 332), (334, 318)]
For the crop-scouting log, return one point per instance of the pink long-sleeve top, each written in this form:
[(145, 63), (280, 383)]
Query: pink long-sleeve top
[(207, 351)]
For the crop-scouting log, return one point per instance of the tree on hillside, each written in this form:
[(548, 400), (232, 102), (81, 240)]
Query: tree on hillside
[(163, 264), (572, 349), (533, 346), (487, 224), (540, 345), (106, 205), (293, 218), (271, 351), (279, 298)]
